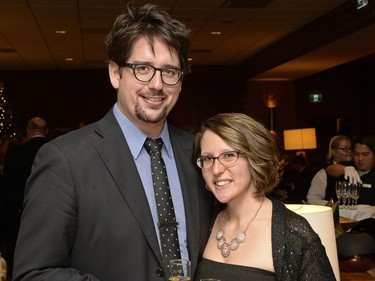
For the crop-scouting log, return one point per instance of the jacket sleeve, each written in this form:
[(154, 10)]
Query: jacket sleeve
[(317, 190), (315, 263), (298, 252), (48, 225)]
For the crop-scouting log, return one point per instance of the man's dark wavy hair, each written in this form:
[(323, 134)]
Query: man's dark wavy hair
[(149, 21)]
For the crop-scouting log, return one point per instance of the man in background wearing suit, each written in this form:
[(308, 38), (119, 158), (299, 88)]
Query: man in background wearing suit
[(90, 211), (17, 168)]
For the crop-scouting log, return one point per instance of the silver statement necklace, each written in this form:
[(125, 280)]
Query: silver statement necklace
[(222, 244)]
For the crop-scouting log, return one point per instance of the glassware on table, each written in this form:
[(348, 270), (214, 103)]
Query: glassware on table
[(348, 201), (339, 192), (355, 190), (179, 270)]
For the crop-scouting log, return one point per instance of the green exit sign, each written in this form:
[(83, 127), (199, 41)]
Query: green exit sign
[(316, 97), (361, 3)]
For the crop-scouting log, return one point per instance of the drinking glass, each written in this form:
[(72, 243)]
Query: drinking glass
[(179, 270), (339, 192), (355, 194), (348, 195), (344, 185)]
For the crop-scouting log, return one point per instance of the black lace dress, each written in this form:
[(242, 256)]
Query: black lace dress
[(230, 272), (297, 253)]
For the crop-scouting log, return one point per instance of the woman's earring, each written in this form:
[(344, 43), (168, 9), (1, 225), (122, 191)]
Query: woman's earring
[(208, 188)]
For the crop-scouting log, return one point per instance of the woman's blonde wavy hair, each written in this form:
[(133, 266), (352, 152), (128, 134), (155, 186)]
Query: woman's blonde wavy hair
[(333, 144)]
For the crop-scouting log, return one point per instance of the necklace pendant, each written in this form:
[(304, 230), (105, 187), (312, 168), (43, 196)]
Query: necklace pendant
[(234, 244), (241, 237), (221, 243), (220, 234), (225, 250)]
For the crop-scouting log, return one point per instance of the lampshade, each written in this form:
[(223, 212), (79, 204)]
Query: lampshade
[(300, 139), (321, 221)]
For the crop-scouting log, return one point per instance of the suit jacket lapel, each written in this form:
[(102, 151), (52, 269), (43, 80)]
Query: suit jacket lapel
[(114, 150)]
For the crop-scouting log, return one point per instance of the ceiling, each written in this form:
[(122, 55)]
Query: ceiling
[(29, 41)]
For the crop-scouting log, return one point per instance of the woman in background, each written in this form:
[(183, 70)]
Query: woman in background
[(253, 237), (322, 188)]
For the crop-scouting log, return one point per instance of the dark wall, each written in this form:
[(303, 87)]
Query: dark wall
[(206, 91), (65, 98), (347, 106)]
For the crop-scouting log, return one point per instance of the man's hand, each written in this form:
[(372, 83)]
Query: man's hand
[(352, 175)]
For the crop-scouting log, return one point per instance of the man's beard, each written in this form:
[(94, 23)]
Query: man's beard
[(142, 115)]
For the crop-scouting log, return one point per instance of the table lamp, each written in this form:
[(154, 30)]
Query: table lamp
[(300, 139), (321, 221)]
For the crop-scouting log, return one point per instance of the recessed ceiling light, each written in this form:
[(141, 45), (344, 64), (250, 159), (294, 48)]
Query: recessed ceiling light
[(215, 32), (190, 59), (69, 59), (60, 31)]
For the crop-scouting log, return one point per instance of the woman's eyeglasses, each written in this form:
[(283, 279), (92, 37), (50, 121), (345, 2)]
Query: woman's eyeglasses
[(227, 159), (345, 149)]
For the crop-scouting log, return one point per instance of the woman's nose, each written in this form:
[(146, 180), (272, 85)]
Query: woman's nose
[(217, 167)]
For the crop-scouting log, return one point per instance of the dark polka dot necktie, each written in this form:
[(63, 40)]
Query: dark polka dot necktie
[(170, 248)]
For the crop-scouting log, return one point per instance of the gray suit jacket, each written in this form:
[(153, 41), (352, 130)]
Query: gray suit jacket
[(86, 214)]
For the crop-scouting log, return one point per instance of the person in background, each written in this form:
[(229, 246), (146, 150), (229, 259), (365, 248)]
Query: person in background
[(17, 168), (322, 188), (301, 182), (364, 160), (4, 144), (286, 182), (253, 237), (90, 208)]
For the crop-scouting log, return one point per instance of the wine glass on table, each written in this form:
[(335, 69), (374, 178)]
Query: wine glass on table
[(345, 193), (355, 195), (339, 192), (348, 195), (179, 270)]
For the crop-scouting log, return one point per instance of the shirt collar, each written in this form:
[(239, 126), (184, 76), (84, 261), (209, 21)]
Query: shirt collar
[(136, 138)]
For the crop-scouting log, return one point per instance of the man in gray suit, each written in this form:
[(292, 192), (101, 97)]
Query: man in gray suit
[(89, 210)]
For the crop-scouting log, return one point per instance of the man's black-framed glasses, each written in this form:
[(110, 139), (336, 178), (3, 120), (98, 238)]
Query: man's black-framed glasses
[(145, 72), (227, 159)]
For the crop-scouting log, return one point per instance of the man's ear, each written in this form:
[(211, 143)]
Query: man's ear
[(114, 74)]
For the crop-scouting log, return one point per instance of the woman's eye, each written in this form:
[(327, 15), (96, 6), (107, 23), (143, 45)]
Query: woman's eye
[(229, 155)]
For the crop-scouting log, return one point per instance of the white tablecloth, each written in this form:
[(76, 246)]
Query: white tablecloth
[(362, 212)]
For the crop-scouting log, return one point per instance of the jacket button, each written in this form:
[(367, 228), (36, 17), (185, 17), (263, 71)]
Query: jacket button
[(160, 272)]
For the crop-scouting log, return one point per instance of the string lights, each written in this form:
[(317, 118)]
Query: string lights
[(6, 117)]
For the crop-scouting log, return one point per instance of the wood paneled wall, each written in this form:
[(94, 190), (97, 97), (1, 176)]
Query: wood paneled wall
[(66, 98)]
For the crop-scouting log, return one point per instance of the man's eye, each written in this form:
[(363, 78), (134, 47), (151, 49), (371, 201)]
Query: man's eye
[(170, 72), (143, 68)]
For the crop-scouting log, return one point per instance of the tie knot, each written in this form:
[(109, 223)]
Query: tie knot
[(153, 145)]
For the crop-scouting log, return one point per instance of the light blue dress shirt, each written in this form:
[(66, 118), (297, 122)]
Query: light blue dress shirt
[(135, 139)]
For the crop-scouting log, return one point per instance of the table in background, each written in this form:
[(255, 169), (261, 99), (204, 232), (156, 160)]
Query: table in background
[(362, 212), (356, 276)]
